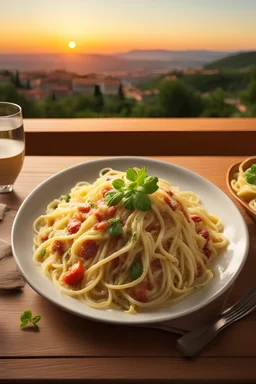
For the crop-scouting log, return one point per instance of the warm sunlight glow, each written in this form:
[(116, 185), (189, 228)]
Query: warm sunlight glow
[(72, 44)]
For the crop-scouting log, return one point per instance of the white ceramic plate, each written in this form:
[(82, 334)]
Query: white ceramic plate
[(227, 266)]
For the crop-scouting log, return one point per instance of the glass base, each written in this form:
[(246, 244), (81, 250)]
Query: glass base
[(5, 188)]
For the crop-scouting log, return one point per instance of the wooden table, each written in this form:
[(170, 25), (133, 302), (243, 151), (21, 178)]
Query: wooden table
[(68, 347)]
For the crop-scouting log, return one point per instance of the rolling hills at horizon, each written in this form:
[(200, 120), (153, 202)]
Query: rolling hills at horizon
[(147, 60), (236, 61)]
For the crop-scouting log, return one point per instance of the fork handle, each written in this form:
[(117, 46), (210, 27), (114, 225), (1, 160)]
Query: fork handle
[(194, 341)]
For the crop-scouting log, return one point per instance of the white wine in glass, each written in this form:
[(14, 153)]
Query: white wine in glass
[(12, 145)]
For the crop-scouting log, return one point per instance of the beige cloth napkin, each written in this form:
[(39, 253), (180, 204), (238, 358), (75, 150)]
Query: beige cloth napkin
[(10, 277)]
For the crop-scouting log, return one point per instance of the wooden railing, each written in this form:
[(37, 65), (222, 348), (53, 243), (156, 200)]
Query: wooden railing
[(156, 137)]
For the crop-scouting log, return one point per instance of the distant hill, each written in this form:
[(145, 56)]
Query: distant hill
[(191, 56), (241, 60), (130, 61)]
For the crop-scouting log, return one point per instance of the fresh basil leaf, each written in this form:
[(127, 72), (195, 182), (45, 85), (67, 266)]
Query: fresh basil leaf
[(128, 202), (118, 184), (26, 315), (131, 174), (140, 189), (141, 201), (250, 175), (36, 326), (113, 197), (131, 186), (134, 237), (141, 176), (24, 323), (115, 228), (35, 319), (136, 270), (43, 252), (150, 185)]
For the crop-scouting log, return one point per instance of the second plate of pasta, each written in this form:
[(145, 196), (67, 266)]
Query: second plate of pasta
[(129, 240)]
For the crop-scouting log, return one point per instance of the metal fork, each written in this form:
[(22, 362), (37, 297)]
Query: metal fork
[(194, 341)]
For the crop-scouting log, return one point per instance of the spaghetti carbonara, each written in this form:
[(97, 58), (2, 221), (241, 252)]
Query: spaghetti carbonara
[(128, 241), (243, 188)]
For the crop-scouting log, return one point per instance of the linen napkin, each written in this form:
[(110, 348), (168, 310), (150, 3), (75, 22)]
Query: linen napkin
[(10, 277)]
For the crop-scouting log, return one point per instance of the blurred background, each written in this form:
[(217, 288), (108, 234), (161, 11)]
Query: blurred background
[(136, 58)]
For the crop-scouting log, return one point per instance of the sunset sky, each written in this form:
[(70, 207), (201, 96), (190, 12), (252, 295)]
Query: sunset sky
[(108, 26)]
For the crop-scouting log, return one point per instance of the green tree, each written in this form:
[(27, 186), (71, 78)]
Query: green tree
[(17, 81), (121, 92), (53, 97), (99, 98), (215, 105), (28, 85), (177, 100), (249, 96)]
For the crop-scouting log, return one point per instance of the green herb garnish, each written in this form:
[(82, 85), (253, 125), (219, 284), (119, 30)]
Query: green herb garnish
[(134, 194), (134, 237), (26, 317), (43, 252), (136, 270), (67, 198), (115, 228), (250, 175)]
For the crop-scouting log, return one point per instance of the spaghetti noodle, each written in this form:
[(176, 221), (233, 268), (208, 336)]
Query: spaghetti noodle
[(111, 257)]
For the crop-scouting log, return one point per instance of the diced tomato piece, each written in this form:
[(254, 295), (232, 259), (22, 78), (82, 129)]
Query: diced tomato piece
[(204, 233), (44, 238), (111, 211), (75, 274), (196, 219), (73, 226), (172, 203), (88, 249), (99, 217), (140, 293), (84, 208), (155, 264), (58, 247), (105, 190), (153, 227), (101, 226), (170, 193)]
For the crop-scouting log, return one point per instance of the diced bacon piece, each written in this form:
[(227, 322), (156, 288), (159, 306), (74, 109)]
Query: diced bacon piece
[(84, 208), (172, 203), (196, 218), (169, 192), (140, 293), (199, 271), (185, 213), (101, 226), (73, 226), (207, 251), (153, 227), (88, 249), (58, 247), (204, 233), (44, 238), (105, 190), (155, 264), (111, 211)]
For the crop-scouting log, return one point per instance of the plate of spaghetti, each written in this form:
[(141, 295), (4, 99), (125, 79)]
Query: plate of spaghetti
[(129, 240)]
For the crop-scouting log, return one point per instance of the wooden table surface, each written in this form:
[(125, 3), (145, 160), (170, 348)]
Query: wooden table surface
[(68, 347)]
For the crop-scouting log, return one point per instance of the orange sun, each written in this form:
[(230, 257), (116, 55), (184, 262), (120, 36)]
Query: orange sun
[(72, 44)]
